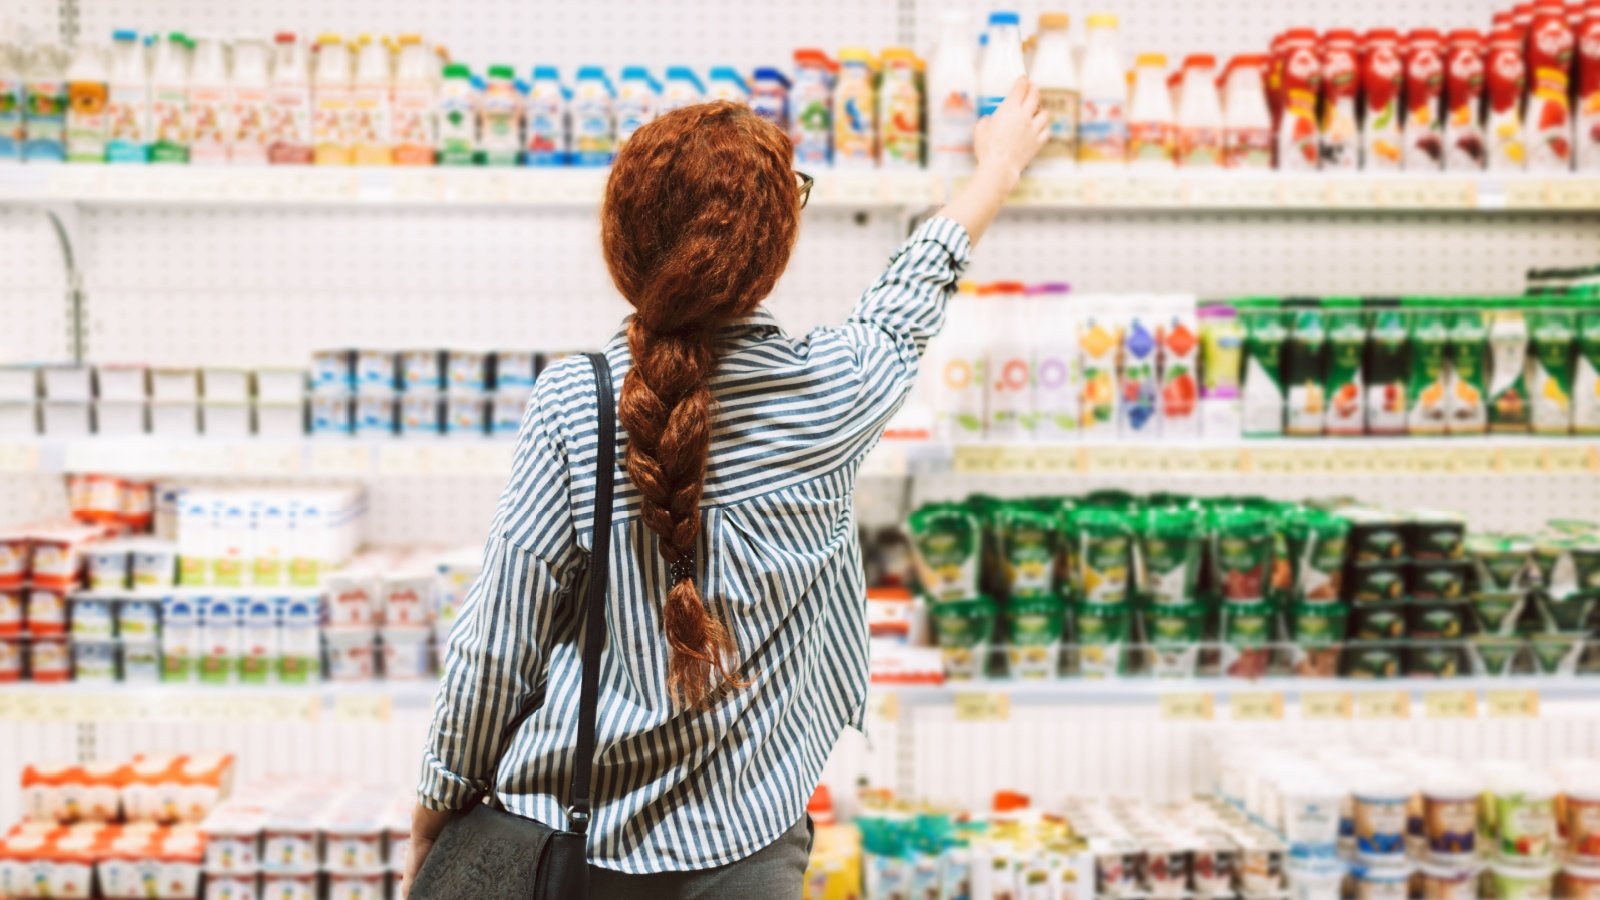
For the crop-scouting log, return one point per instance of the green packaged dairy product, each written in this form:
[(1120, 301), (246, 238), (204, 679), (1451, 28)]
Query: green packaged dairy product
[(1026, 539), (1586, 372), (1169, 544), (1222, 338), (1572, 613), (1498, 611), (1375, 582), (1343, 385), (1174, 625), (1388, 367), (949, 545), (1318, 624), (1556, 654), (1466, 406), (1371, 661), (1497, 654), (1305, 366), (1500, 562), (1104, 539), (1431, 534), (1524, 815), (1034, 626), (1243, 542), (1552, 335), (1509, 407), (1262, 386), (1317, 542), (1378, 622), (963, 629), (1444, 620), (1101, 631), (1437, 579), (1375, 535), (1434, 660), (1425, 388), (1247, 624)]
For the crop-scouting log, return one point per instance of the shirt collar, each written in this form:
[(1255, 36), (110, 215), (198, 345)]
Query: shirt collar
[(757, 320)]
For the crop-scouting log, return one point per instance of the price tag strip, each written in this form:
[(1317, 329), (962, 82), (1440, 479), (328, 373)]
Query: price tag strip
[(1187, 707), (1257, 706)]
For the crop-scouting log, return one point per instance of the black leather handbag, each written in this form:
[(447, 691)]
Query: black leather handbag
[(491, 854)]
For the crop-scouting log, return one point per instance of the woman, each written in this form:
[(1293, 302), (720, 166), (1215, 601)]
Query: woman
[(736, 635)]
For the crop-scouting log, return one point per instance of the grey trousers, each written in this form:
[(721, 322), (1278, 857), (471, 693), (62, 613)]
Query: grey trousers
[(775, 872)]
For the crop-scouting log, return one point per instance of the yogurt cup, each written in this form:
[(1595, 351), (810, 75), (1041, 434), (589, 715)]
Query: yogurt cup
[(108, 566), (1450, 817), (1524, 816), (10, 612), (154, 565), (233, 845), (47, 612), (1310, 811), (289, 885), (1319, 880), (231, 886), (1386, 882), (1447, 882), (1213, 864), (94, 662), (138, 619), (1380, 817), (49, 660), (93, 618), (406, 653), (141, 662), (1260, 868), (10, 660), (289, 847), (350, 655), (1580, 815), (1578, 882), (353, 848), (15, 552), (1522, 882), (357, 885)]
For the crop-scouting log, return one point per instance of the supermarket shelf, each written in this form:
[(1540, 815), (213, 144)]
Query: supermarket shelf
[(583, 187), (473, 457), (374, 701)]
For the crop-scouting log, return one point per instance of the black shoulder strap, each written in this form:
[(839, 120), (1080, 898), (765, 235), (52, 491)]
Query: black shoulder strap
[(595, 598)]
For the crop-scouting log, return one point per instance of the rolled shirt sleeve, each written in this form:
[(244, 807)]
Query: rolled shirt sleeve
[(498, 650)]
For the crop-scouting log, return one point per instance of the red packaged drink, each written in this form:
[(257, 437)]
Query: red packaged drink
[(1382, 74), (1548, 121), (1501, 19), (1274, 76), (1424, 94), (1589, 89), (1301, 74), (1506, 76), (1341, 133), (1463, 102), (1522, 18)]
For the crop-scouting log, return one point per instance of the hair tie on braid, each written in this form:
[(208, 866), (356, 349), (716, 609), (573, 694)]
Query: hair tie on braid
[(681, 569)]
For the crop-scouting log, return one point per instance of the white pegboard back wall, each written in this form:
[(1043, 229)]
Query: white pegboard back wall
[(35, 319)]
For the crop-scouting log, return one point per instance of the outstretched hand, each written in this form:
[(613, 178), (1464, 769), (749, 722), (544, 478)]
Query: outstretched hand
[(1005, 142)]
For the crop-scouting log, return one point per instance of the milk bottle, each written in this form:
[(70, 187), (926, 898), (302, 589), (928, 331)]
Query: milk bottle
[(86, 105), (458, 117), (1150, 130), (728, 84), (958, 359), (637, 97), (500, 119), (289, 112), (952, 96), (855, 126), (769, 97), (1247, 138), (11, 133), (546, 115), (1009, 399), (900, 111), (1057, 80), (330, 103), (412, 109), (812, 129), (594, 127), (683, 88), (370, 123), (250, 104), (1102, 116), (1002, 61), (1199, 115), (208, 103), (44, 111), (170, 122)]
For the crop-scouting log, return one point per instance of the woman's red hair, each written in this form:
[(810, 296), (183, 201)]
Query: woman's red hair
[(700, 214)]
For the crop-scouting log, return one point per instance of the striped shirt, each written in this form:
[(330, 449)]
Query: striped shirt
[(778, 561)]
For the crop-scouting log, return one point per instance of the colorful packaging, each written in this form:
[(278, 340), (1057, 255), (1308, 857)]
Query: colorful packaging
[(1027, 546), (1552, 334), (458, 117), (288, 123), (963, 629), (1034, 626), (1549, 104), (855, 125), (1057, 386), (330, 104), (637, 98), (1426, 390), (545, 137), (499, 119), (1009, 400), (1586, 375), (1103, 540), (1305, 360), (1506, 75), (1341, 133), (900, 114), (412, 103), (1100, 342), (1262, 389), (769, 97), (1467, 379), (1179, 367), (812, 129), (86, 106), (1424, 87), (1242, 553), (1524, 815), (44, 107), (1222, 340), (594, 132), (1301, 70), (948, 544), (11, 129), (1343, 387), (1382, 76), (959, 365), (1588, 97), (1510, 407), (1169, 554), (1141, 383), (1463, 95), (1388, 366)]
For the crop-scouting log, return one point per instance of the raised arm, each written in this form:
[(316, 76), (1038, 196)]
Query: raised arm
[(1004, 143)]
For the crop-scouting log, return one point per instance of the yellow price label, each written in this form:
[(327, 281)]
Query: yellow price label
[(1325, 705), (1350, 463), (1104, 459), (972, 706), (1521, 460), (1522, 193), (1179, 461), (1567, 460), (363, 707), (1512, 704), (1257, 706), (976, 459), (1275, 462), (1219, 461), (1390, 461), (1572, 193), (1303, 193), (404, 459), (1430, 461), (1231, 193), (1187, 707), (1473, 461), (1018, 460), (1350, 192), (1318, 462), (886, 705), (1383, 705), (1057, 460), (19, 458), (1451, 704), (1450, 194)]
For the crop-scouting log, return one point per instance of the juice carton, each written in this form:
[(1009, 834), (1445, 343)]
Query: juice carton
[(1301, 73), (1057, 387), (1305, 370), (900, 114), (86, 106), (1586, 378), (812, 127), (288, 117), (1262, 387), (1010, 366), (1589, 91), (1180, 364), (959, 360), (1549, 104), (1388, 367), (1341, 134), (855, 121), (1382, 74), (1343, 387), (1506, 75), (594, 127), (1141, 384), (1466, 406), (1099, 345), (1509, 407), (1552, 333), (1221, 363), (1426, 390), (1424, 86), (1463, 93)]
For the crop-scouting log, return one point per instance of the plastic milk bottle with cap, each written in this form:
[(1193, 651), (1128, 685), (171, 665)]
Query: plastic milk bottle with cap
[(414, 103), (637, 97), (959, 359), (1150, 131), (594, 130), (683, 88), (289, 114), (86, 105), (1053, 329), (727, 84), (458, 117), (1199, 115), (248, 104), (10, 103), (1246, 121), (127, 100), (169, 101), (1010, 365), (900, 111), (1102, 116), (1057, 79), (331, 94), (209, 102), (952, 96), (812, 128), (500, 119), (769, 97), (546, 119), (1002, 61), (371, 118), (855, 127), (44, 111)]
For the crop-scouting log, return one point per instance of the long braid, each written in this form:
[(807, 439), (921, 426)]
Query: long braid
[(699, 219)]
